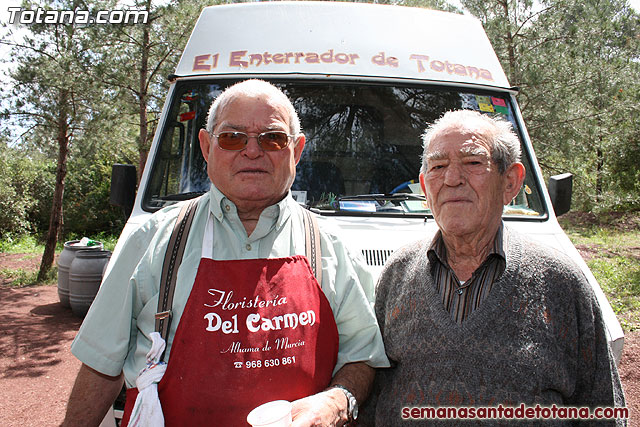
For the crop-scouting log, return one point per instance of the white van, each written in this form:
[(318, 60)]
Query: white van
[(366, 79)]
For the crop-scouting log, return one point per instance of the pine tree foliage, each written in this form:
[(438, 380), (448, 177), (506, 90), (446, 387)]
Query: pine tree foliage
[(69, 93), (54, 98), (135, 60), (577, 63)]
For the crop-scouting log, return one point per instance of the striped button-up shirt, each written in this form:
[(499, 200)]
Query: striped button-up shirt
[(461, 299)]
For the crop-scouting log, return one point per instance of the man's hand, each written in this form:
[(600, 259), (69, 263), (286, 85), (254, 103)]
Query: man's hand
[(325, 409), (330, 407)]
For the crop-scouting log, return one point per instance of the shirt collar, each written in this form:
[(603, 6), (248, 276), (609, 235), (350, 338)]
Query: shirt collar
[(438, 249), (220, 207)]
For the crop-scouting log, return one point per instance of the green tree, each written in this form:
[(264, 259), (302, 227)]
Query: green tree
[(53, 98), (427, 4), (587, 121), (87, 207), (136, 59), (83, 94), (576, 63)]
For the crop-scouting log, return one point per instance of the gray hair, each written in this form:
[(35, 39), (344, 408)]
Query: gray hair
[(505, 144), (252, 88)]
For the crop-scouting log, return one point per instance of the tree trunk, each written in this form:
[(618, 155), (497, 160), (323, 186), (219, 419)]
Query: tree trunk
[(511, 50), (599, 171), (56, 218), (143, 147)]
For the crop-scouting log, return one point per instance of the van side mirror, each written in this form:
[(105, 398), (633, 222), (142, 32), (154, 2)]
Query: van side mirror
[(560, 189), (123, 187)]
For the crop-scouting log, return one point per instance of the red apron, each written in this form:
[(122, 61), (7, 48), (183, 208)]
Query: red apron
[(252, 331)]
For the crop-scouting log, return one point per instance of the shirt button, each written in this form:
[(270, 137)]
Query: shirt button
[(459, 291), (248, 247), (227, 207)]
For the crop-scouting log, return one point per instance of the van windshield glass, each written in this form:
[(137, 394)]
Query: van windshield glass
[(362, 152)]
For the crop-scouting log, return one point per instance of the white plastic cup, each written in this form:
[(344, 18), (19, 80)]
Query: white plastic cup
[(271, 414)]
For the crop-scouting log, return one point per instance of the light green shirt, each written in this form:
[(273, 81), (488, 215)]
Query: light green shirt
[(114, 336)]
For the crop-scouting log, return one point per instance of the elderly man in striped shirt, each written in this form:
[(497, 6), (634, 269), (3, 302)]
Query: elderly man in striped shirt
[(479, 316)]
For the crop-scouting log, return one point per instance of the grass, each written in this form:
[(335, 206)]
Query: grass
[(27, 244), (19, 278), (610, 245), (24, 244)]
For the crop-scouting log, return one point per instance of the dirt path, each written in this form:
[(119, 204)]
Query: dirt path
[(37, 369), (630, 375)]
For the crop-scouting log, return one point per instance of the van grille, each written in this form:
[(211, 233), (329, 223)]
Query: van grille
[(376, 256)]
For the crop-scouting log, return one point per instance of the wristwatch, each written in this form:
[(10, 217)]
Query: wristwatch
[(352, 408)]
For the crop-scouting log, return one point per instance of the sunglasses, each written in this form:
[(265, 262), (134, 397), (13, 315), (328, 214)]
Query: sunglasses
[(272, 140)]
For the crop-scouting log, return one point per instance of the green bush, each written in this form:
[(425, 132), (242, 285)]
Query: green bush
[(87, 210), (21, 190), (27, 182)]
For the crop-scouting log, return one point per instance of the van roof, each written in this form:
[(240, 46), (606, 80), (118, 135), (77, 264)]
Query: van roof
[(329, 39)]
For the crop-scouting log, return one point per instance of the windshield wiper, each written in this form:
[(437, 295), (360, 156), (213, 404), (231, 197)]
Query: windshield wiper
[(183, 196), (383, 197)]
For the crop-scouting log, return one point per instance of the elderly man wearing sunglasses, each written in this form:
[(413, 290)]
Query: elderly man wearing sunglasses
[(252, 321)]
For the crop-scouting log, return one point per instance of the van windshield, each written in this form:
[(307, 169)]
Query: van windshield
[(362, 152)]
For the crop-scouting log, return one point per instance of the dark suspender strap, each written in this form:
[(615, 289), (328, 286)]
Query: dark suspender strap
[(175, 251), (312, 243), (172, 260)]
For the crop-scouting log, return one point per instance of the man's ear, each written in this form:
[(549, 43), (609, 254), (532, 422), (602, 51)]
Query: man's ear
[(423, 186), (514, 177), (299, 147), (205, 143)]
